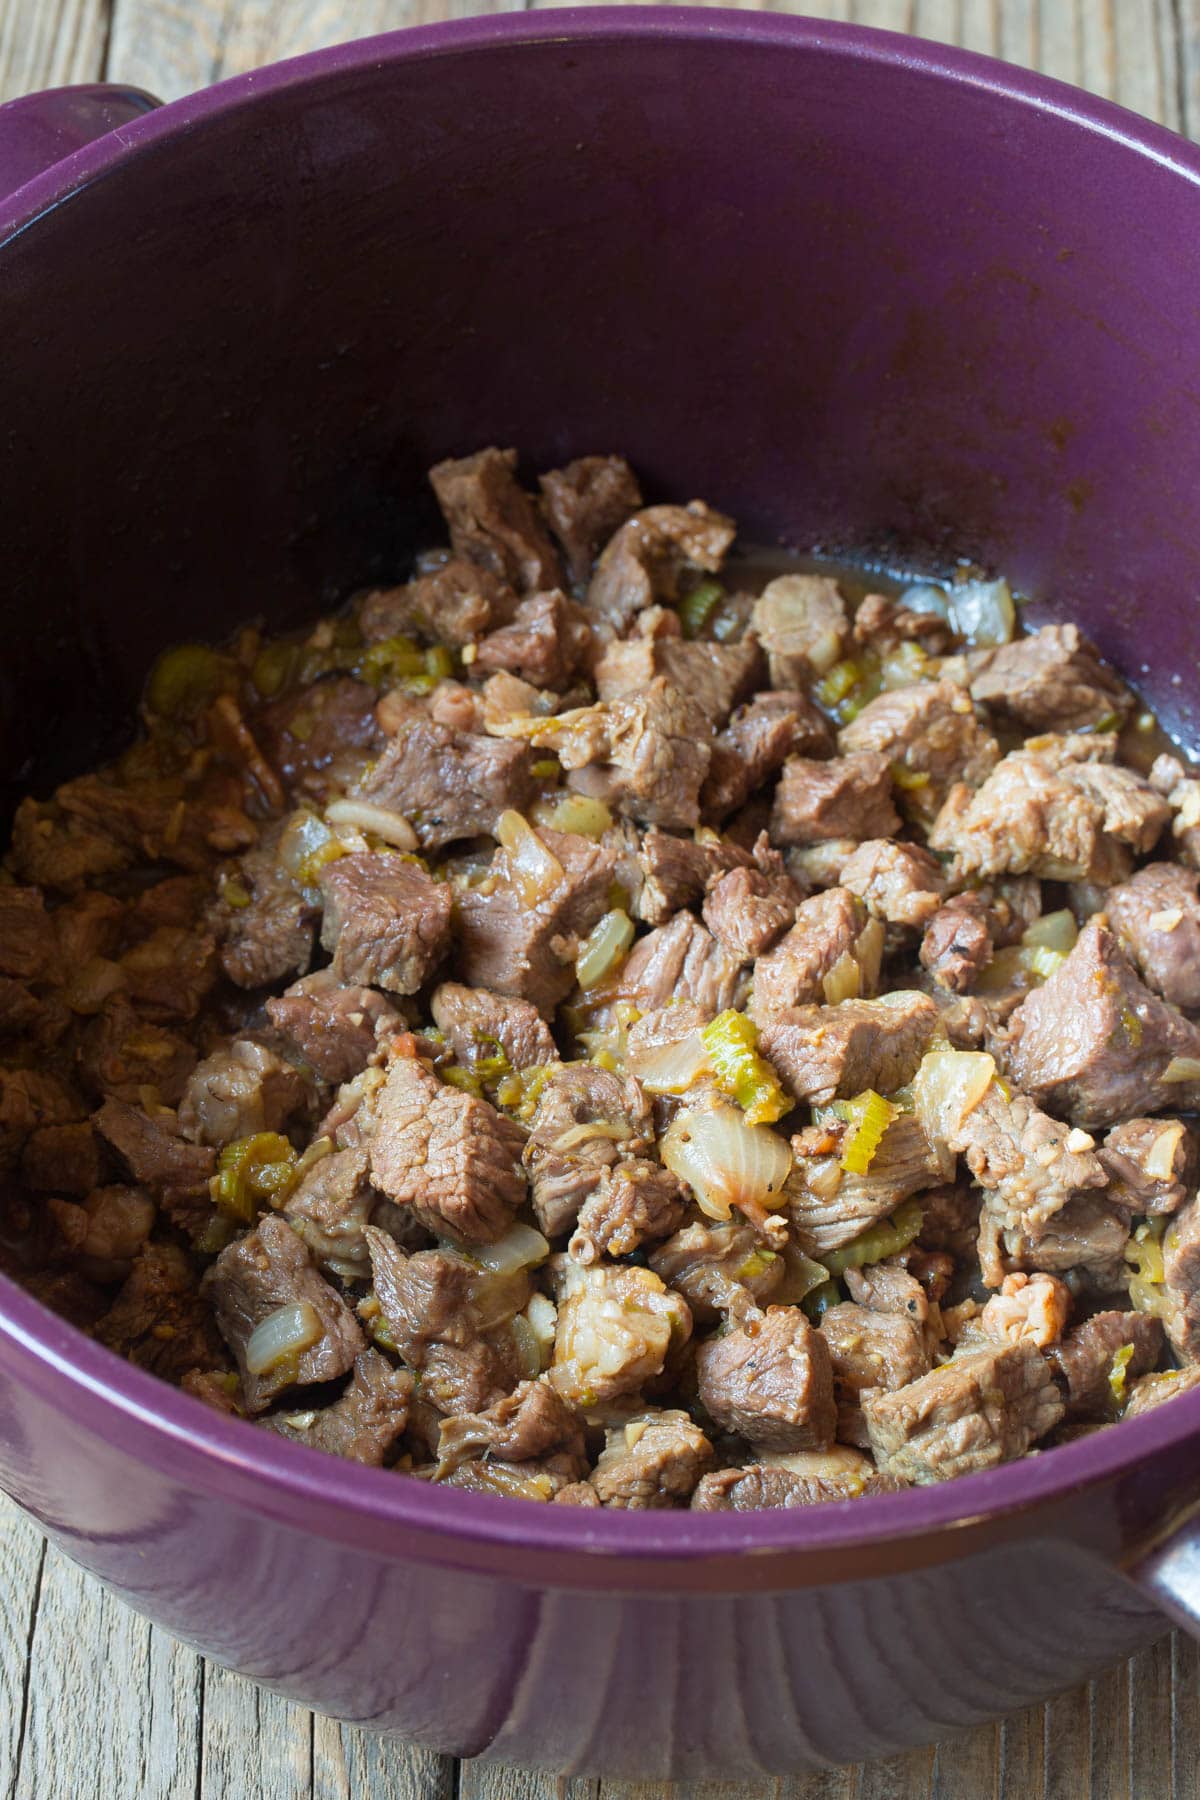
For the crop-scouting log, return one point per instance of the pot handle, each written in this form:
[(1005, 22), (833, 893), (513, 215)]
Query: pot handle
[(38, 130), (1170, 1573)]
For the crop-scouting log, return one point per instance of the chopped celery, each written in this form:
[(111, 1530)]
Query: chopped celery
[(868, 1116), (731, 1042), (696, 608), (817, 1302), (884, 1238), (185, 679), (466, 1079), (391, 660), (1117, 1372), (274, 667), (250, 1170)]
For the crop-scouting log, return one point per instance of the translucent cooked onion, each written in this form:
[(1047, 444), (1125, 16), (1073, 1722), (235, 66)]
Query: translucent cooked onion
[(1053, 931), (574, 1135), (948, 1085), (391, 826), (304, 837), (726, 1162), (529, 1350), (1182, 1068), (604, 949), (844, 980), (536, 872), (670, 1068), (542, 1317), (982, 612), (521, 1247), (284, 1333), (1160, 1163), (924, 597), (573, 812)]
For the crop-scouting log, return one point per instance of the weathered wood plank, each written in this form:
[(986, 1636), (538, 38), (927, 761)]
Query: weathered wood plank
[(22, 1558), (348, 1764), (49, 43)]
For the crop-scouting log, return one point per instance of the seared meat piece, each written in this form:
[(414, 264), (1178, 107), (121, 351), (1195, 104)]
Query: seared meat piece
[(386, 921), (1086, 1237), (451, 1321), (448, 784), (1030, 1309), (957, 945), (477, 1024), (1156, 916), (1057, 810), (676, 871), (533, 1421), (1095, 1045), (646, 755), (1182, 794), (718, 1268), (526, 947), (152, 1152), (900, 883), (159, 1320), (756, 743), (653, 1460), (1181, 1281), (330, 1209), (236, 1092), (24, 1015), (828, 1052), (104, 1234), (748, 912), (54, 850), (886, 624), (644, 560), (171, 973), (809, 1478), (979, 1410), (770, 1381), (681, 961), (1097, 1375), (61, 1159), (1151, 1165), (1052, 680), (928, 732), (365, 1423), (715, 676), (832, 948), (318, 737), (870, 1349), (90, 923), (28, 940), (584, 504), (541, 1478), (452, 604), (890, 1286), (452, 1158), (829, 1206), (180, 901), (635, 1203), (800, 621), (120, 1054), (269, 937), (157, 819), (257, 1276), (1152, 1390), (846, 797), (547, 640), (28, 1100), (493, 521), (335, 1030), (616, 1325)]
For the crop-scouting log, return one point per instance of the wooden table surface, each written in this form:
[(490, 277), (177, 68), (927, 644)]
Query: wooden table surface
[(96, 1702)]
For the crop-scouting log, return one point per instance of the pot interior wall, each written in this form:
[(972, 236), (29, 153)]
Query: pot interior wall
[(852, 306)]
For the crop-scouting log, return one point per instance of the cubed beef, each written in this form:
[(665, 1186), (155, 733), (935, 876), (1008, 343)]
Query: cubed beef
[(525, 946), (1181, 1281), (547, 640), (833, 949), (756, 743), (900, 883), (869, 1349), (748, 912), (636, 1202), (89, 925), (365, 1423), (453, 1159), (929, 735), (887, 624), (23, 1014), (827, 1052), (121, 1054), (171, 973), (452, 604), (846, 797), (29, 1100), (449, 784), (541, 1478), (616, 1326), (265, 924), (1095, 1046), (1156, 916), (61, 1159), (1182, 794), (1086, 1239), (1030, 1309), (681, 961), (1153, 1389), (585, 503), (811, 1478), (1051, 680), (332, 1029), (479, 1025), (532, 1422), (643, 561), (800, 621), (158, 820), (983, 1408), (29, 947), (107, 1231), (829, 1206), (957, 945), (237, 1092), (718, 1268), (651, 1461), (891, 1286), (386, 921), (674, 872), (1151, 1165), (715, 676), (1090, 1359), (770, 1381), (261, 1274), (319, 736), (586, 1145), (159, 1320), (330, 1208), (645, 755), (493, 521), (54, 850)]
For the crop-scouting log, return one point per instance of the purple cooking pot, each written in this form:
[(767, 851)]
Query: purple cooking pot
[(858, 291)]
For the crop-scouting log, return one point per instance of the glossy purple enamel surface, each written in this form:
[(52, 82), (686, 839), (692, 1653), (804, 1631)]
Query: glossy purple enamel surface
[(858, 291)]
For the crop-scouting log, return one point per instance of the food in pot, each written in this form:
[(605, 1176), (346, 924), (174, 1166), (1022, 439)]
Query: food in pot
[(600, 1024)]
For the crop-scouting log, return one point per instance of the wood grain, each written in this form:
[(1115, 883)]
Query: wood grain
[(96, 1702)]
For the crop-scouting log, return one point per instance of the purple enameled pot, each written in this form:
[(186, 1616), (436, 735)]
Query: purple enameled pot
[(856, 290)]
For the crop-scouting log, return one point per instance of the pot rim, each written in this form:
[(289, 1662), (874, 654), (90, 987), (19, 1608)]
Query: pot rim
[(314, 1492)]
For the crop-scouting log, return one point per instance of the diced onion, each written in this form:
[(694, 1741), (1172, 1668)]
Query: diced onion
[(982, 612), (286, 1332), (1182, 1068), (727, 1162), (1053, 931), (948, 1085), (542, 1315), (304, 837), (1160, 1163), (529, 1351), (924, 597), (536, 872), (670, 1068), (604, 948), (574, 1135), (521, 1247), (391, 826), (573, 812), (843, 982)]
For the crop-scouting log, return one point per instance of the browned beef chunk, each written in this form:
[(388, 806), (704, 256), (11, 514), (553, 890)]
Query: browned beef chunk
[(900, 883), (70, 1294), (24, 1015), (453, 1159), (718, 1267), (674, 872), (577, 1493), (1094, 1045), (809, 1479), (892, 1286), (365, 1423), (829, 1206), (335, 1030), (757, 742), (171, 973), (1088, 1358), (159, 1319), (386, 921), (1156, 916), (1056, 810), (929, 734), (158, 820), (120, 1054), (587, 1167), (176, 1172), (983, 1408), (547, 640), (516, 943), (715, 676), (584, 503), (636, 1202), (493, 521), (748, 911), (318, 737), (846, 797), (452, 604), (89, 925), (1182, 794), (643, 561), (61, 1159), (268, 938), (28, 943), (541, 1478), (800, 621), (1087, 1237), (832, 948), (531, 1422), (770, 1381), (29, 1100), (826, 1052), (886, 624), (870, 1349), (1152, 1390), (330, 1207), (653, 1460), (1052, 680), (256, 1276), (449, 784), (617, 1325), (104, 1234), (450, 1321), (1181, 1282), (957, 945), (645, 755), (1151, 1165), (57, 851), (681, 961), (236, 1092), (478, 1025)]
